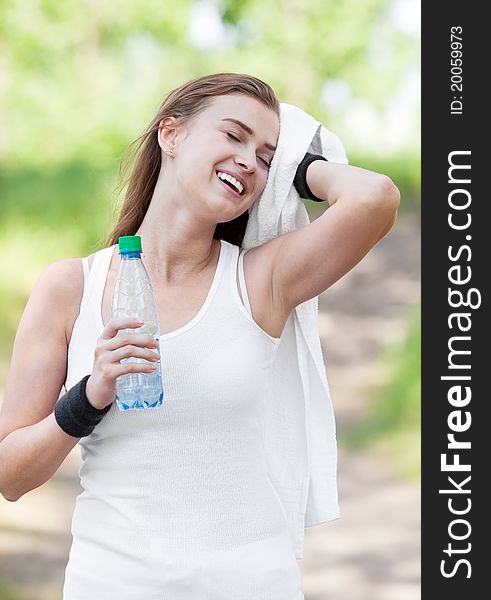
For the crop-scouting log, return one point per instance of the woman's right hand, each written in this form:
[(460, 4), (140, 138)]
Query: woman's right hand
[(110, 349)]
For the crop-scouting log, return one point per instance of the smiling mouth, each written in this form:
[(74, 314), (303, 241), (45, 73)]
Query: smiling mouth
[(231, 186)]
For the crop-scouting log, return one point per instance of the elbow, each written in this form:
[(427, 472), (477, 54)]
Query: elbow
[(383, 204), (11, 497), (9, 492), (388, 193), (384, 197)]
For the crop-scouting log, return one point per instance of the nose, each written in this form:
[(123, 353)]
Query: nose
[(247, 160)]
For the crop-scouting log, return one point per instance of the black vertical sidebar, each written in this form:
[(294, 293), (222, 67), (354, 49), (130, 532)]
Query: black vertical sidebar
[(456, 231)]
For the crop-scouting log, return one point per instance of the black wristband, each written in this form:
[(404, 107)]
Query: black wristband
[(75, 414), (300, 179)]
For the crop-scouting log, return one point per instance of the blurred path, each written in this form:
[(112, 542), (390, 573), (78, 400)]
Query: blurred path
[(372, 552)]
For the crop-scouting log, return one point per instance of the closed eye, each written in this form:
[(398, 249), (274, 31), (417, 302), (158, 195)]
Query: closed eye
[(236, 139)]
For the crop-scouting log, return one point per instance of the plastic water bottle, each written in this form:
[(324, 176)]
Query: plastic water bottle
[(133, 297)]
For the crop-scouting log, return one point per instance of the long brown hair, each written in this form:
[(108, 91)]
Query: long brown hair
[(184, 102)]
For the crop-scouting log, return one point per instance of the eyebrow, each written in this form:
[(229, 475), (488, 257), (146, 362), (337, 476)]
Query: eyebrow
[(249, 131)]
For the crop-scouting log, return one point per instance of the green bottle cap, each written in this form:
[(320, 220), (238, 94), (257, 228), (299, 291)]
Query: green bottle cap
[(130, 243)]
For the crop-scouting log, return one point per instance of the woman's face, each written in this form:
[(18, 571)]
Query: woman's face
[(234, 135)]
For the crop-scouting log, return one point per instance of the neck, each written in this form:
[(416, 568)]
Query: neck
[(177, 245)]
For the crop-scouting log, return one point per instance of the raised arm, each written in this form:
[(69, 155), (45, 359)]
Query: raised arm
[(307, 261)]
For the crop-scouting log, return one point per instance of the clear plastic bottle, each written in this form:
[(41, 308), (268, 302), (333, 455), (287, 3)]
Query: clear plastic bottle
[(133, 297)]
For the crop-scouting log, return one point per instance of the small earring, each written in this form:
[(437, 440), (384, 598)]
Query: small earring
[(169, 151)]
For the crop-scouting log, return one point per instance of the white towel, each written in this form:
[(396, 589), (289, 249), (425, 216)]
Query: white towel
[(299, 425)]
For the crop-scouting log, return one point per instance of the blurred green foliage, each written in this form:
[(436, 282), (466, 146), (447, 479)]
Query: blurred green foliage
[(8, 592), (394, 419), (47, 215), (81, 78)]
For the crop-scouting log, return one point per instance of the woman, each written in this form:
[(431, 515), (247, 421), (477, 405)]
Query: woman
[(176, 501)]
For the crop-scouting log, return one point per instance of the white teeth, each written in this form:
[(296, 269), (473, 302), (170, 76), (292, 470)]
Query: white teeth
[(232, 180)]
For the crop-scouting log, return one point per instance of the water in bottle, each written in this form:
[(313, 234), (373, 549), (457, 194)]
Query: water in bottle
[(133, 297)]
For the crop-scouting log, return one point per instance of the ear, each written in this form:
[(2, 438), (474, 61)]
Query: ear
[(168, 132)]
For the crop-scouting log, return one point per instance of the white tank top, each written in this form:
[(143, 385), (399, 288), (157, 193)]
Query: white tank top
[(176, 501)]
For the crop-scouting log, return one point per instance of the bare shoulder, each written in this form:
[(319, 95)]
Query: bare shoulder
[(62, 277), (63, 283)]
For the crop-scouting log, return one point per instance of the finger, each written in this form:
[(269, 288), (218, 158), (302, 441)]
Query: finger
[(111, 329), (132, 367), (131, 339), (134, 352)]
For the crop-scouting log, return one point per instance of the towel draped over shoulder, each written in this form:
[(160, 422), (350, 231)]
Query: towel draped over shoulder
[(299, 425)]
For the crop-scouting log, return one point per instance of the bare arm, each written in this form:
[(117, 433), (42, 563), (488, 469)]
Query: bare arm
[(330, 189), (31, 455), (363, 208), (32, 445)]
